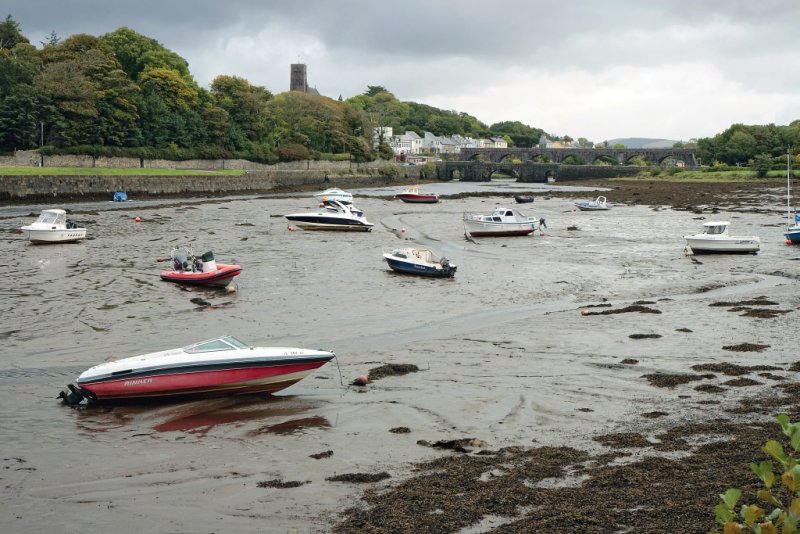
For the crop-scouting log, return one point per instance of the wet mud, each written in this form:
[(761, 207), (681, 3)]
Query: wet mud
[(545, 419)]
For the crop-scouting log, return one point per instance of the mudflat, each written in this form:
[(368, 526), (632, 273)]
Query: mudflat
[(590, 378)]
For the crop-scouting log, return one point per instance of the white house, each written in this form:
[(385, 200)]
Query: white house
[(431, 143), (498, 142)]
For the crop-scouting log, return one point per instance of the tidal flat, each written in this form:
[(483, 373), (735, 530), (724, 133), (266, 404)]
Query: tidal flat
[(520, 409)]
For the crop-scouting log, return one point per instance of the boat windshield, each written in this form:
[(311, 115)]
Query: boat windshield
[(214, 345), (719, 229), (51, 217)]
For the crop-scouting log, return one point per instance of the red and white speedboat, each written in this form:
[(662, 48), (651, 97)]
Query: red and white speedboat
[(413, 195), (203, 271), (220, 366)]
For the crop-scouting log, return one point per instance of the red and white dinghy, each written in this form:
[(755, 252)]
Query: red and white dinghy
[(220, 366), (203, 271)]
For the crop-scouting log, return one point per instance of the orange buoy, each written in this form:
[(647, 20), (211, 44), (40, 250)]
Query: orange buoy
[(361, 380), (138, 219), (290, 228)]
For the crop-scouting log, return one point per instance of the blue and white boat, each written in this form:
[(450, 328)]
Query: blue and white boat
[(120, 196), (341, 218), (792, 230), (421, 261)]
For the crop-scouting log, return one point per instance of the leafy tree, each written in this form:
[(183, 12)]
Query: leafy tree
[(375, 90), (171, 87), (10, 35), (137, 54), (245, 104), (762, 164)]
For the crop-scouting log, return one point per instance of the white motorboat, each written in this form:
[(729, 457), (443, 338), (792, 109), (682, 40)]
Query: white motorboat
[(598, 204), (420, 261), (501, 222), (335, 193), (342, 217), (220, 366), (52, 226), (715, 239)]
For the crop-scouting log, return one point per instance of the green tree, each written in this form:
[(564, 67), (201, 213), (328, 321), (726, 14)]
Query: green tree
[(10, 35), (245, 104), (762, 164), (138, 54)]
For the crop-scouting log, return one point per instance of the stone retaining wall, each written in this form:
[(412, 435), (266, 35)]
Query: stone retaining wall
[(43, 187)]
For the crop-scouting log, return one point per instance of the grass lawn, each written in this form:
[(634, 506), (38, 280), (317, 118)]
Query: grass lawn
[(705, 176), (101, 171)]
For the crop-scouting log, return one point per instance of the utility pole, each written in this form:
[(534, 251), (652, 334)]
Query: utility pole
[(41, 145)]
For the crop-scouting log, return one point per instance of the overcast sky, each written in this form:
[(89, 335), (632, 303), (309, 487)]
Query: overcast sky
[(673, 69)]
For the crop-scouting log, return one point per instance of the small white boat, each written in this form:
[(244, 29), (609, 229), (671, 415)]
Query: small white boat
[(220, 366), (716, 240), (421, 261), (598, 204), (342, 218), (52, 226), (501, 222), (335, 193)]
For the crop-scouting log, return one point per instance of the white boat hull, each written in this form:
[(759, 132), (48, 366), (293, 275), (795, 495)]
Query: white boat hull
[(36, 235), (728, 245)]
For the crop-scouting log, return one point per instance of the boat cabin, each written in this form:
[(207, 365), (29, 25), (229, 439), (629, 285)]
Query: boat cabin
[(716, 227), (504, 215)]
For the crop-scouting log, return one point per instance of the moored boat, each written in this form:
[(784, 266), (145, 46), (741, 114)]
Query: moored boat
[(421, 261), (598, 204), (341, 218), (792, 233), (219, 366), (203, 271), (501, 222), (523, 199), (120, 196), (413, 195), (715, 239), (334, 193), (52, 226)]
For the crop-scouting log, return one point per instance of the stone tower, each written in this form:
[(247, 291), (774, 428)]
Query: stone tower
[(297, 78)]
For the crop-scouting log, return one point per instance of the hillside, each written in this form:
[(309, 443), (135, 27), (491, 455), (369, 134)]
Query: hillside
[(643, 142)]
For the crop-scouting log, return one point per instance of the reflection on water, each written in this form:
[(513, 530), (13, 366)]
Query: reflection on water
[(199, 417)]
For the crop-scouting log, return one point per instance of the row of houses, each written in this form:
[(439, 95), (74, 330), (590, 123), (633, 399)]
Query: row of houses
[(411, 143)]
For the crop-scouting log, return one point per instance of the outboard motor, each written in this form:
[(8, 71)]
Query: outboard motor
[(180, 263), (73, 397), (209, 264)]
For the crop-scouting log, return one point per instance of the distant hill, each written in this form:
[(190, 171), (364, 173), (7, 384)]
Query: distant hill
[(642, 142)]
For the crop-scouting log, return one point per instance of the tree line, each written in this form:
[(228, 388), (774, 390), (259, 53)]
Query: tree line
[(125, 94)]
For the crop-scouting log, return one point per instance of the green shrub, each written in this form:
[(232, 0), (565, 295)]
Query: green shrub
[(388, 170), (784, 498)]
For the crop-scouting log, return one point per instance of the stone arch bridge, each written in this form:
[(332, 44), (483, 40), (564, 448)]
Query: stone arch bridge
[(589, 156), (479, 164)]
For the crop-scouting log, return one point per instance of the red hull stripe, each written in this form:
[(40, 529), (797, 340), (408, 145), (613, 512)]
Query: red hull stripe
[(223, 272), (249, 380)]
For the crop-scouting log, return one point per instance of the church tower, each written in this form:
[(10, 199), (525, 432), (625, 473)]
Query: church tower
[(297, 78)]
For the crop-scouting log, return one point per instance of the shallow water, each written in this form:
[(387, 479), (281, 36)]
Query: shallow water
[(504, 353)]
